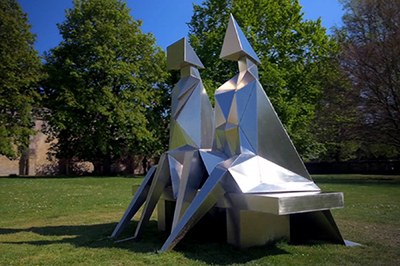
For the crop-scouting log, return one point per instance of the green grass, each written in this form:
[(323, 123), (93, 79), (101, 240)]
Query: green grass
[(57, 221)]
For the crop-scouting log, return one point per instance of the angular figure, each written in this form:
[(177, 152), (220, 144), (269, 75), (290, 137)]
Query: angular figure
[(191, 111), (245, 163), (191, 131), (261, 156), (245, 119)]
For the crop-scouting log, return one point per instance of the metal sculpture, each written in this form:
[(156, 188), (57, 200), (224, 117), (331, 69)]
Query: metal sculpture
[(191, 129), (253, 171)]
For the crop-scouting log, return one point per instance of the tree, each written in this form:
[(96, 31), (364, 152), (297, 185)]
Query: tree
[(20, 72), (336, 116), (105, 80), (370, 58), (294, 53)]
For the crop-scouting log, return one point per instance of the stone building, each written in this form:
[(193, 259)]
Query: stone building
[(35, 161)]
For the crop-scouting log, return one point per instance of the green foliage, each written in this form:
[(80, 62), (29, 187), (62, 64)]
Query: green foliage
[(20, 71), (105, 84), (336, 122), (294, 55)]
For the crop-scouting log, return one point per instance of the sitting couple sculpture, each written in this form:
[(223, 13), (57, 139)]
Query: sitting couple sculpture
[(236, 157)]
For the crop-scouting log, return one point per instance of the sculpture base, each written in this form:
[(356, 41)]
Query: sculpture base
[(248, 228), (258, 219)]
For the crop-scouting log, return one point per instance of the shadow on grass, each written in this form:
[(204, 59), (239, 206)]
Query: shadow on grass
[(92, 236), (208, 250), (224, 254)]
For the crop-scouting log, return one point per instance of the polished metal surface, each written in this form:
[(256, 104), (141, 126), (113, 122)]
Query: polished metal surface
[(236, 44), (248, 228), (192, 116), (207, 197), (287, 203), (160, 181), (238, 158), (192, 176), (256, 219), (181, 54), (254, 174), (191, 130), (246, 122), (261, 156)]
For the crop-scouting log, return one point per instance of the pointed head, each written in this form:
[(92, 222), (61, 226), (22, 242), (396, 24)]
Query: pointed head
[(181, 54), (236, 45)]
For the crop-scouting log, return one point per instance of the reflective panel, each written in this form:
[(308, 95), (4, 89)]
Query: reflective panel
[(236, 44), (192, 119), (160, 181), (274, 142), (181, 54), (248, 122), (209, 194), (191, 129), (182, 94), (259, 122), (175, 172), (245, 147), (211, 159), (192, 177), (224, 99)]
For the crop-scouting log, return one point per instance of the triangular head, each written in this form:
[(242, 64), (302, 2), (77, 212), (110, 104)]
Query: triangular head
[(181, 54), (236, 45)]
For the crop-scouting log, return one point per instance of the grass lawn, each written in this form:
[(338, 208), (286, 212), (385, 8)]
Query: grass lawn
[(61, 221)]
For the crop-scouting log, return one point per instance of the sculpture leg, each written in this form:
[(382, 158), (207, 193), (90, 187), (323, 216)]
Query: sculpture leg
[(192, 176), (210, 193), (160, 181), (136, 203), (335, 234), (318, 225)]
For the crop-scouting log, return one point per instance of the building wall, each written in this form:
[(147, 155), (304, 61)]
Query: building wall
[(8, 167), (35, 161)]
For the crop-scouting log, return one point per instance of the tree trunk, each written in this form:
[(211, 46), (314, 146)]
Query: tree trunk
[(24, 163), (102, 166)]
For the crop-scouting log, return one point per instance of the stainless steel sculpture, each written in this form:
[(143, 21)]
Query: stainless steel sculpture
[(191, 129), (253, 171)]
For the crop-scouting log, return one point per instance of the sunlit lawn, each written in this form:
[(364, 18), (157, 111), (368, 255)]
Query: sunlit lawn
[(68, 220)]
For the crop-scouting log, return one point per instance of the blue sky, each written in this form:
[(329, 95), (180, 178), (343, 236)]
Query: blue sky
[(166, 19)]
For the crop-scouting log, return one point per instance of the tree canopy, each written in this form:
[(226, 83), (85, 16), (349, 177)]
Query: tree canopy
[(370, 59), (105, 83), (295, 54), (335, 125), (20, 72)]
